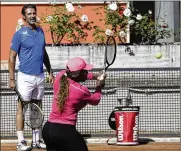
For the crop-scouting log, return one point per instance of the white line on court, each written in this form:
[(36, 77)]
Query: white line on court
[(101, 140)]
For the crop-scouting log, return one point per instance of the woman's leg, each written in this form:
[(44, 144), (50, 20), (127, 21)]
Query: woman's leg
[(53, 136), (63, 137), (46, 134), (75, 142)]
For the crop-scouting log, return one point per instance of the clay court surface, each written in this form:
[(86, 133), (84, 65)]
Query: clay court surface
[(152, 146)]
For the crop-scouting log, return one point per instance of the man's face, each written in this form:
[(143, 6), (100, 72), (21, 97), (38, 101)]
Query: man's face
[(30, 16)]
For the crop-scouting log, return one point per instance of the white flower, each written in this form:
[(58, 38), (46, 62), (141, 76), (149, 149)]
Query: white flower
[(122, 34), (37, 19), (49, 18), (150, 12), (131, 22), (108, 32), (113, 6), (69, 7), (84, 18), (127, 30), (138, 17), (20, 22), (18, 27), (127, 12)]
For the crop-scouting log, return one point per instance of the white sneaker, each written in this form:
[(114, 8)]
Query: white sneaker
[(39, 144), (22, 146)]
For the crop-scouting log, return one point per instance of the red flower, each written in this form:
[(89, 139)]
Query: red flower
[(121, 10), (164, 25)]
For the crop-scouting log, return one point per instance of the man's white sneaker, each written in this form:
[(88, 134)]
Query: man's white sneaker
[(39, 144), (22, 146)]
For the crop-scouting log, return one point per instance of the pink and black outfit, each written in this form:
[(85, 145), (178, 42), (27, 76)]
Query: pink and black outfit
[(59, 132)]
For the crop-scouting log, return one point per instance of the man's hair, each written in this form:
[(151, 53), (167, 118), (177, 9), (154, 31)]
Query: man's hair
[(26, 7)]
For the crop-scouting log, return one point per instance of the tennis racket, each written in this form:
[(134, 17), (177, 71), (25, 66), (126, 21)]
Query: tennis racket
[(32, 113), (110, 53)]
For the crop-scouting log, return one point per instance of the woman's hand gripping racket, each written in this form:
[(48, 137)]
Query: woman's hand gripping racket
[(110, 54), (32, 113)]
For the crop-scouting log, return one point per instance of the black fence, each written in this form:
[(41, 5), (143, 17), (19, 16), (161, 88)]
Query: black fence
[(155, 90)]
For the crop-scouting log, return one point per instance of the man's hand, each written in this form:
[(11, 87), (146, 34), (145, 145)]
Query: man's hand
[(51, 78), (12, 84)]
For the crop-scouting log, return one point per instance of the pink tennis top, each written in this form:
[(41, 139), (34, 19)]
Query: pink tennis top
[(79, 97)]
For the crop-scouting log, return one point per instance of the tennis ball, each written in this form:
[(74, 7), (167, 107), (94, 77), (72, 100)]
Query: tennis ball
[(158, 55)]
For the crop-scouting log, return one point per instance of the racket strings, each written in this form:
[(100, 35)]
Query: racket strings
[(33, 116), (111, 51)]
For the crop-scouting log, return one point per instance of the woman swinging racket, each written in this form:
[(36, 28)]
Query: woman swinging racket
[(59, 132)]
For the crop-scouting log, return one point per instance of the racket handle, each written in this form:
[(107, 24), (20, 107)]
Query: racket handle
[(17, 92), (102, 76)]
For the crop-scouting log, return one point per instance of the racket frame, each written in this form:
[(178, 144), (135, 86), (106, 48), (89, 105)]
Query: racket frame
[(25, 106), (106, 63)]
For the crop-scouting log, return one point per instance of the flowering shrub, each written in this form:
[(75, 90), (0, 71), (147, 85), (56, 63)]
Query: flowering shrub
[(66, 24), (120, 21), (150, 31)]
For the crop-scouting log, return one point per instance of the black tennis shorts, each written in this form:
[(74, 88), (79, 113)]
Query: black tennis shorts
[(62, 137)]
